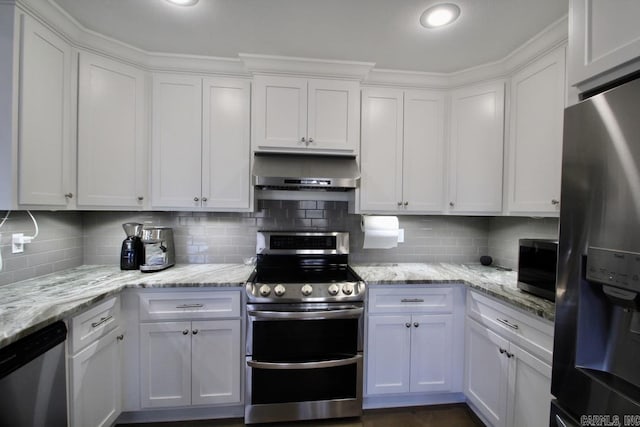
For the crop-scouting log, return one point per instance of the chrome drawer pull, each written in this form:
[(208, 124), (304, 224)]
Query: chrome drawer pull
[(190, 306), (412, 300), (101, 321), (506, 322)]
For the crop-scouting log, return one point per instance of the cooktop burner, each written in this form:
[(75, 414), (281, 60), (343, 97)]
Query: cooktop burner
[(303, 267)]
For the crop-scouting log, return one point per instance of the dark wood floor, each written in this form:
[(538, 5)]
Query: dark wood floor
[(457, 415)]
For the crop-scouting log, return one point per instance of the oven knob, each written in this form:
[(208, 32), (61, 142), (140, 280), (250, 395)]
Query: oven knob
[(265, 290), (279, 290), (306, 290), (347, 289), (334, 289)]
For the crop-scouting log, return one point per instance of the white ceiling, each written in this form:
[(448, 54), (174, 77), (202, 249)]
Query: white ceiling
[(386, 32)]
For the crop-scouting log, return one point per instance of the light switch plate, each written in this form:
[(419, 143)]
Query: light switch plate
[(17, 243)]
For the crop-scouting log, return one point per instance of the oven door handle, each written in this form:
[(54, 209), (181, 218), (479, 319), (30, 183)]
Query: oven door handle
[(350, 313), (305, 365)]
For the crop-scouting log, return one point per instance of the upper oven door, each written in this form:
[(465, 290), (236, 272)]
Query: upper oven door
[(290, 333)]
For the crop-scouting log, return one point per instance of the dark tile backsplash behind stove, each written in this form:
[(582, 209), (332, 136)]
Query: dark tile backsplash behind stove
[(214, 237)]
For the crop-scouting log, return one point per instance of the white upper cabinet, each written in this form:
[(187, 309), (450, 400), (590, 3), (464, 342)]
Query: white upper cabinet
[(45, 154), (200, 143), (535, 136), (112, 140), (176, 145), (402, 153), (476, 149), (226, 143), (306, 115), (604, 41)]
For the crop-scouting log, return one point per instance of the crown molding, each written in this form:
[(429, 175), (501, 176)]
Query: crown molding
[(269, 64)]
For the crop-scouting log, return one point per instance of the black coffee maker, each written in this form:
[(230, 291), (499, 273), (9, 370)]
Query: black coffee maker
[(132, 253)]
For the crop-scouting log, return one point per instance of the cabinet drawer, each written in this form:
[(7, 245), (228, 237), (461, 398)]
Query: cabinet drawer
[(394, 300), (527, 331), (189, 304), (94, 323)]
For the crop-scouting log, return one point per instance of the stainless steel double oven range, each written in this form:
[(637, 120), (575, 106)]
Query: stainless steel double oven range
[(305, 310)]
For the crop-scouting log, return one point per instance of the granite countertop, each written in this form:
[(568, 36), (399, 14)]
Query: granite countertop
[(29, 305), (497, 283)]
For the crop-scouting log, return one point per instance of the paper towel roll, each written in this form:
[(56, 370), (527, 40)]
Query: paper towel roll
[(380, 232)]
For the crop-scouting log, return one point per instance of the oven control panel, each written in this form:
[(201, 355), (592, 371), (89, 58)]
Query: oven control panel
[(300, 292)]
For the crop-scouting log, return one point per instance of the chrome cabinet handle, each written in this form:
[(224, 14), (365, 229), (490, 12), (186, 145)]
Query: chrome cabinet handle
[(502, 350), (194, 332), (452, 204), (303, 139), (406, 204), (140, 198), (555, 201), (120, 337), (506, 322), (69, 195), (408, 325), (101, 321), (185, 332), (190, 306), (204, 199), (509, 355), (310, 140), (412, 300), (416, 324), (195, 199)]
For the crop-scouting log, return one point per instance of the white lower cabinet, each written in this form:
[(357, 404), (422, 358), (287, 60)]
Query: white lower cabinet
[(414, 340), (194, 359), (507, 384), (96, 382), (95, 366), (190, 363)]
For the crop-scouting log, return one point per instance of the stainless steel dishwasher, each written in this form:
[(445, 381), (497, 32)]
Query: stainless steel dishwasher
[(32, 380)]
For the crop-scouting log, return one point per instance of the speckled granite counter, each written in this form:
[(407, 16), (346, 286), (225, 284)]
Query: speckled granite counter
[(497, 283), (32, 304)]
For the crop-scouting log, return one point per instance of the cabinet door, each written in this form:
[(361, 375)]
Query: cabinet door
[(602, 38), (381, 150), (486, 372), (388, 354), (333, 115), (535, 136), (46, 160), (165, 364), (112, 163), (475, 167), (176, 146), (431, 353), (226, 144), (280, 113), (529, 389), (423, 157), (96, 392), (216, 362)]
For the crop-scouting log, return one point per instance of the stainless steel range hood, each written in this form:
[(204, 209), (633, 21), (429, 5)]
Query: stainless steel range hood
[(297, 172)]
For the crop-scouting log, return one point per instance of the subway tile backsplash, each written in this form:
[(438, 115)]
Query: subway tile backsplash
[(208, 237), (69, 239), (59, 244)]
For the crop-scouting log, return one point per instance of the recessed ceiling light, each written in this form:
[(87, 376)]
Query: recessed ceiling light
[(183, 2), (440, 15)]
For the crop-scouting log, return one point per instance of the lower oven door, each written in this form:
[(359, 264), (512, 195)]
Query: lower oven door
[(303, 363)]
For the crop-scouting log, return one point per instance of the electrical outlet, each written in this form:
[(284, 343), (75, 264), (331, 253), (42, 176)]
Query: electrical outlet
[(17, 243)]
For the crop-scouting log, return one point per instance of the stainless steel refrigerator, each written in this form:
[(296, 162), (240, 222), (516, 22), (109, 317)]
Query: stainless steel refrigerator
[(596, 360)]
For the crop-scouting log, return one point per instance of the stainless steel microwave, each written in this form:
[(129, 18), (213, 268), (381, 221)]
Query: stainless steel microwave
[(537, 267)]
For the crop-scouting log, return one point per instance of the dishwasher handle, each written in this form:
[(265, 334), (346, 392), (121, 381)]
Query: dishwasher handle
[(23, 351)]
